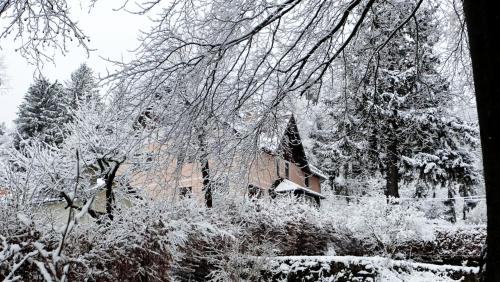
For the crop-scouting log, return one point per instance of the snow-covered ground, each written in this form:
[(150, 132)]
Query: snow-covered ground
[(353, 268)]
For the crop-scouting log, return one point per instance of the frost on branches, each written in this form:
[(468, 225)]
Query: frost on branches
[(43, 114), (393, 119)]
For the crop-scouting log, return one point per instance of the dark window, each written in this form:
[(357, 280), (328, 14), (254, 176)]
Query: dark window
[(278, 167), (185, 192), (254, 191), (306, 180), (287, 170)]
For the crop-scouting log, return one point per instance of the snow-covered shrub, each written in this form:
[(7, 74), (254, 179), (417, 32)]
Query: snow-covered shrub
[(380, 226), (477, 215), (295, 227), (184, 241), (18, 249), (135, 246), (145, 242), (350, 268), (454, 244), (267, 228)]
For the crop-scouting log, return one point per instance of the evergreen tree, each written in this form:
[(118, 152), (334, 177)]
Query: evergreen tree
[(3, 128), (4, 137), (394, 119), (82, 86), (42, 114)]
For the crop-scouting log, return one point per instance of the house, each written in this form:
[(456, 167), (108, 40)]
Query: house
[(279, 167)]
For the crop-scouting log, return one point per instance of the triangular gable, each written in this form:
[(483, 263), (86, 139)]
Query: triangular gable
[(291, 147)]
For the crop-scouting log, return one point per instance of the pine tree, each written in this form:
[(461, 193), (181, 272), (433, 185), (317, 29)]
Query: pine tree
[(395, 118), (4, 137), (42, 114), (82, 86), (3, 128)]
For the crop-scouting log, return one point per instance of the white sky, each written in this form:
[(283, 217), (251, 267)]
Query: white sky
[(112, 33)]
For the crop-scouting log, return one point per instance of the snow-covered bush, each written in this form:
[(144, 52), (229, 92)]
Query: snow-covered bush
[(380, 226), (184, 241), (477, 215), (293, 226)]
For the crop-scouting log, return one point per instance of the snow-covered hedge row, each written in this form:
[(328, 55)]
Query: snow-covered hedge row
[(458, 245), (351, 268), (183, 241)]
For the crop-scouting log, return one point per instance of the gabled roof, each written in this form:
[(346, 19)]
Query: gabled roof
[(279, 137), (271, 137), (289, 146)]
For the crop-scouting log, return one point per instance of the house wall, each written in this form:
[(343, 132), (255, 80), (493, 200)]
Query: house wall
[(261, 172), (297, 175), (315, 184), (57, 213), (160, 184)]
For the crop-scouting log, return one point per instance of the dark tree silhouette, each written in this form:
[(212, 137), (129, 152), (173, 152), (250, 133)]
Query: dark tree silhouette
[(483, 22)]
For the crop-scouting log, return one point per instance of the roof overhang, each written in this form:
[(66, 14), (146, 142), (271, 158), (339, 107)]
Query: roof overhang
[(316, 171), (289, 186)]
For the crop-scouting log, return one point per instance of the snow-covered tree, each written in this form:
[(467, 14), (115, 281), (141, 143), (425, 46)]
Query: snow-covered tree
[(40, 27), (82, 86), (3, 128), (42, 114), (395, 117)]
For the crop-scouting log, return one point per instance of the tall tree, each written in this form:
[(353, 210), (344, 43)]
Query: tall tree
[(82, 86), (3, 128), (483, 25), (42, 114), (395, 116)]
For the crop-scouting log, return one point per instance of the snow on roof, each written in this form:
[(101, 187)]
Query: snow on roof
[(316, 171), (271, 136), (270, 130), (289, 186)]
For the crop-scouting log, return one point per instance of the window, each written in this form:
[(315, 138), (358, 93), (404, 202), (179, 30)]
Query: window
[(278, 168), (306, 180), (287, 170), (185, 192), (254, 192)]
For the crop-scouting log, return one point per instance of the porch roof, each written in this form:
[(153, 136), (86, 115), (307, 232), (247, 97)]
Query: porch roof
[(289, 186)]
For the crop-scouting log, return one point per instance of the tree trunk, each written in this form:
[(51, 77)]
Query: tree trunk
[(207, 187), (450, 203), (205, 171), (109, 175), (110, 198), (483, 21), (392, 188)]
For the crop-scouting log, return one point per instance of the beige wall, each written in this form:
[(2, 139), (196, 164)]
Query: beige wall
[(297, 175), (260, 172), (160, 184)]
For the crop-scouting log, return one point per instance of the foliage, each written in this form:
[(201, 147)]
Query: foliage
[(82, 88), (43, 114), (40, 28), (394, 110), (183, 241)]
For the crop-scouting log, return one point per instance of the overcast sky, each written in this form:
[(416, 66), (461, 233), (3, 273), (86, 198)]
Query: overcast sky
[(112, 33)]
